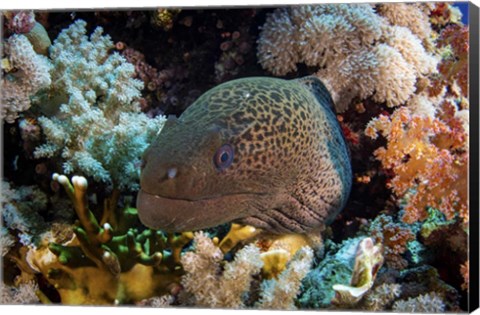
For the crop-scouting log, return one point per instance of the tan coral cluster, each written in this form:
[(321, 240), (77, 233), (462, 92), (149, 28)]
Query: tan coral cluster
[(209, 281), (358, 53)]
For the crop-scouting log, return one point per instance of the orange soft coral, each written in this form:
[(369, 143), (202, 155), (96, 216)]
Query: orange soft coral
[(428, 158), (454, 66)]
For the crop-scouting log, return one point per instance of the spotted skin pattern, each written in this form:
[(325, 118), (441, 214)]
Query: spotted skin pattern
[(291, 169)]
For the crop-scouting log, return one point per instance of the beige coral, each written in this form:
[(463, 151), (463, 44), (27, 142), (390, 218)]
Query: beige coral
[(411, 49), (214, 286), (408, 15), (272, 53), (357, 53), (31, 76), (430, 302), (396, 79), (280, 293)]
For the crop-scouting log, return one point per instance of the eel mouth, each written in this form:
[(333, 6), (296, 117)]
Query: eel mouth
[(179, 215)]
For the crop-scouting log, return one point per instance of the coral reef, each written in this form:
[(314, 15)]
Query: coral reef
[(25, 293), (6, 241), (21, 209), (210, 283), (394, 237), (379, 298), (235, 49), (336, 267), (91, 103), (412, 16)]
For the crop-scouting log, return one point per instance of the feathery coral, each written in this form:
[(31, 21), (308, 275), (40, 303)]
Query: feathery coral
[(98, 129), (280, 293), (381, 296), (20, 211), (427, 303), (25, 293), (212, 286), (408, 15), (394, 237)]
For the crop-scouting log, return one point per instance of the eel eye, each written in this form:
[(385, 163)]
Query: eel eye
[(223, 158)]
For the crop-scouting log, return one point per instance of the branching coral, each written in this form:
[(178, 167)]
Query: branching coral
[(20, 211), (380, 297), (6, 241), (209, 285), (357, 52), (105, 261), (211, 282), (98, 129), (25, 293), (454, 39), (29, 74), (428, 158), (280, 293), (427, 303)]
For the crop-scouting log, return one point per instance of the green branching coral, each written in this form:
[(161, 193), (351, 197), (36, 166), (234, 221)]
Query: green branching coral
[(106, 261), (92, 117)]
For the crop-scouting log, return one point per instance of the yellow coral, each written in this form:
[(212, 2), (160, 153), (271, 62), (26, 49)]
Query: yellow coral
[(164, 18), (277, 250)]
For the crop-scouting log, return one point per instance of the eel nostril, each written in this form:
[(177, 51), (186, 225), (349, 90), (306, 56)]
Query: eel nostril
[(143, 163), (172, 172)]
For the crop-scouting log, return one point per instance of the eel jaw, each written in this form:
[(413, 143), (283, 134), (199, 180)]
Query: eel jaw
[(179, 215)]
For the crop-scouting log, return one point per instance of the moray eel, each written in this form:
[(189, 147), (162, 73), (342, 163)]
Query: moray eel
[(259, 151)]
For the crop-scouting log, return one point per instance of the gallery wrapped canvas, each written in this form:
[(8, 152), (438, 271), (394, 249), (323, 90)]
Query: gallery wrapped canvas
[(301, 157)]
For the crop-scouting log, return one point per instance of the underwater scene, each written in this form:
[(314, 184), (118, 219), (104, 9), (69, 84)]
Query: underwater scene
[(308, 157)]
